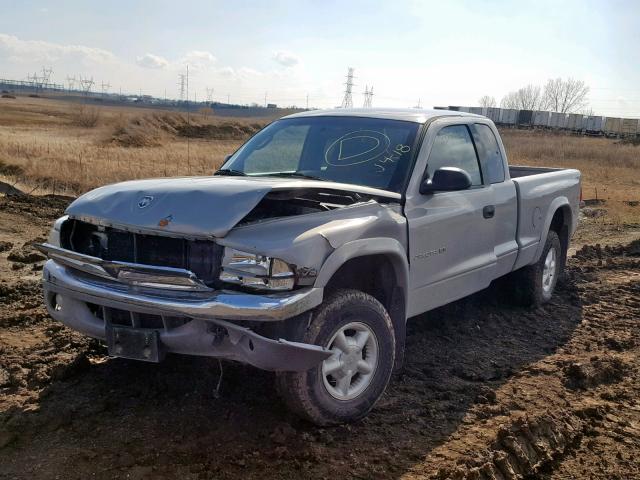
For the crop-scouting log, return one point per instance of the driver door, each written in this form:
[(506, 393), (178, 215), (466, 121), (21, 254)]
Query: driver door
[(451, 233)]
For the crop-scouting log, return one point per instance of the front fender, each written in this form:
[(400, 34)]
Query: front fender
[(389, 247)]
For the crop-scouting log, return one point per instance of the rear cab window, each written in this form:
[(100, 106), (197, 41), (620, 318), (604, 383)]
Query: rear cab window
[(489, 153)]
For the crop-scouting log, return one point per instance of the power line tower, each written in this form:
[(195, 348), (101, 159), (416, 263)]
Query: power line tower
[(105, 88), (46, 75), (86, 84), (347, 100), (182, 82), (71, 82), (209, 94), (34, 79), (368, 97)]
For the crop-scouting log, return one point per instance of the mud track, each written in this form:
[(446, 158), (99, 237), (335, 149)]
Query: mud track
[(489, 390)]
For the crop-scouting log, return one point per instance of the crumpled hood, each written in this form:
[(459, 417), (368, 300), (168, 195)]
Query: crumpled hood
[(189, 206)]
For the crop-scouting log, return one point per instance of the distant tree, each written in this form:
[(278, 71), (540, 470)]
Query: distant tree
[(510, 100), (487, 101), (565, 96), (525, 98)]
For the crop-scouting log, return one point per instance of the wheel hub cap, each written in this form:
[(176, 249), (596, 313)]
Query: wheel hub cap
[(549, 270), (349, 370)]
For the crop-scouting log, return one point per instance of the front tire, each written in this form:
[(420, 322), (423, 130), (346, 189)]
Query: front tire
[(345, 387)]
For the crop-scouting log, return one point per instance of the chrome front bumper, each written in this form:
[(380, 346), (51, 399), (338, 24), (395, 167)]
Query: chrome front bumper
[(222, 304), (68, 291)]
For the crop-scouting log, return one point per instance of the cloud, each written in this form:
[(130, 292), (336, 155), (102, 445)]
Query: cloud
[(196, 59), (29, 51), (149, 60), (284, 58), (249, 72), (199, 59), (226, 71)]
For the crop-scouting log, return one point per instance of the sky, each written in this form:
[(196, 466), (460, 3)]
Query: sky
[(435, 53)]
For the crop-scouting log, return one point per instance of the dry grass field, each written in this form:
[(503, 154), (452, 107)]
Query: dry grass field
[(44, 145)]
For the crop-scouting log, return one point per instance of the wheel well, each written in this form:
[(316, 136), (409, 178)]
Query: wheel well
[(372, 274), (376, 276), (560, 224)]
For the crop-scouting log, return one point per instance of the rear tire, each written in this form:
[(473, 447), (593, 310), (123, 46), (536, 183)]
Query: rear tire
[(534, 284), (345, 387)]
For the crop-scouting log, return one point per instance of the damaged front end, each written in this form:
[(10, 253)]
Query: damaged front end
[(151, 311), (195, 286)]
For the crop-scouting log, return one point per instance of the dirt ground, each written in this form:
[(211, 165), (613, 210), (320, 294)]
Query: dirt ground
[(489, 390)]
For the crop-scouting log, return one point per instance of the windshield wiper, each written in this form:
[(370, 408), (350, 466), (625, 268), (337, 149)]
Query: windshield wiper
[(295, 175), (230, 172)]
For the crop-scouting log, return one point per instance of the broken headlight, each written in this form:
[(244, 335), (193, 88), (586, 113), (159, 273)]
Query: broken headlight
[(54, 233), (256, 271)]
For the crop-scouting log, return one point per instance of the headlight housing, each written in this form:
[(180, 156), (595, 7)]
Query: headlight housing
[(54, 233), (256, 271)]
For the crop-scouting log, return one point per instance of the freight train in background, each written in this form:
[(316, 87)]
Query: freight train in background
[(570, 122)]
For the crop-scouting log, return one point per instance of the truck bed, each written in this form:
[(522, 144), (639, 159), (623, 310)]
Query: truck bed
[(540, 191), (519, 171)]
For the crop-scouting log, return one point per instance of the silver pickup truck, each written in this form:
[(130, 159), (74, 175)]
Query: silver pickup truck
[(306, 253)]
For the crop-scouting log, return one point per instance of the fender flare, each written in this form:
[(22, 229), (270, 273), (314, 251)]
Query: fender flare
[(396, 253), (389, 247), (556, 204)]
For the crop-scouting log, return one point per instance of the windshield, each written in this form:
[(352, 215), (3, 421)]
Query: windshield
[(364, 151)]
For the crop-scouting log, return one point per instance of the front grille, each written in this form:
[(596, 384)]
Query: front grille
[(202, 257)]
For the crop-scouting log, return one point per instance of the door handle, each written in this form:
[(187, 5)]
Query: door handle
[(489, 211)]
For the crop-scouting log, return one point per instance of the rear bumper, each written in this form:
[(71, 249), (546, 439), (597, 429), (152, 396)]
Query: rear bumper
[(210, 330)]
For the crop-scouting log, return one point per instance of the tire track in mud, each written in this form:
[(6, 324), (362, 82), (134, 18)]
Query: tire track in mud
[(596, 390)]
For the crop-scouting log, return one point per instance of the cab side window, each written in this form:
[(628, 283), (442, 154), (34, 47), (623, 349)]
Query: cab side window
[(453, 147), (489, 153)]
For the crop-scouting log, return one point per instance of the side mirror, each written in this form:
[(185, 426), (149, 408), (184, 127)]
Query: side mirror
[(446, 179)]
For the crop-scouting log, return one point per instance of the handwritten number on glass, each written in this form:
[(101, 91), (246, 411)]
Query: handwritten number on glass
[(392, 157)]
